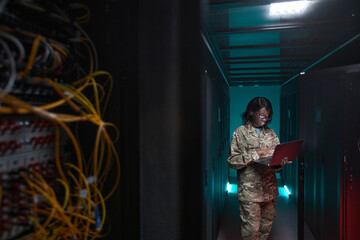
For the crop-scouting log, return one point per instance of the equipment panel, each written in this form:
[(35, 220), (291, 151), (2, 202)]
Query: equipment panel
[(26, 149), (51, 96)]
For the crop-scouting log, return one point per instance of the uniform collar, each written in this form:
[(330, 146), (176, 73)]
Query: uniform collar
[(252, 130)]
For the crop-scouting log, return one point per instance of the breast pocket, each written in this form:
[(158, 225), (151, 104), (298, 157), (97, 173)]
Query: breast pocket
[(268, 142), (253, 143)]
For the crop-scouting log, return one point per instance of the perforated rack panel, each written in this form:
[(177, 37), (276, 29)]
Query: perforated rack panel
[(27, 142), (26, 145)]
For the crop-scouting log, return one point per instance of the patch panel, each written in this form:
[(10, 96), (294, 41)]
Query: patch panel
[(26, 148), (34, 94), (18, 135), (16, 204), (49, 62)]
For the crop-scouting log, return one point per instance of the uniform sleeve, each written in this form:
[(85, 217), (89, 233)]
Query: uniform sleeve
[(240, 155), (276, 140)]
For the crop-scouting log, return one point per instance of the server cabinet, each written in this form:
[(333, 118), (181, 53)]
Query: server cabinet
[(216, 130), (293, 174), (289, 109), (350, 174), (329, 124)]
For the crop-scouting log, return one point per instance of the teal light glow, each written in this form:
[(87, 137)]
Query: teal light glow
[(287, 190), (282, 192), (230, 188)]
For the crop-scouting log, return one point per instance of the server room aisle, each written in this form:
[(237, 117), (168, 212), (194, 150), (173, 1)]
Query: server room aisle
[(284, 226)]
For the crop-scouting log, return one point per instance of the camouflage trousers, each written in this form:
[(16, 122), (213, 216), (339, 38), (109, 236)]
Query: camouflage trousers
[(257, 219)]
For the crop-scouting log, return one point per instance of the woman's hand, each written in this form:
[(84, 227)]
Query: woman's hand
[(265, 152), (285, 161)]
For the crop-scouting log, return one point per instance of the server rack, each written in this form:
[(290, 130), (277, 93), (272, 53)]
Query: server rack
[(329, 108)]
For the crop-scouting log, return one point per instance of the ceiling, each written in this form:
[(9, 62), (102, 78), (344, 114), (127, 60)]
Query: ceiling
[(254, 48)]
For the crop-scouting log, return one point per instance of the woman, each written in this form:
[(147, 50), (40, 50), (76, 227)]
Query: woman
[(257, 186)]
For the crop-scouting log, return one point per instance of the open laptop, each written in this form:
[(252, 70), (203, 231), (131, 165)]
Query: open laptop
[(288, 149)]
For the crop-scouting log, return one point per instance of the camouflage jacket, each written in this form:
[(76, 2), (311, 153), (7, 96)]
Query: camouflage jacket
[(256, 182)]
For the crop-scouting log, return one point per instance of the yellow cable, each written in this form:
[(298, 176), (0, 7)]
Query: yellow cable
[(86, 16), (103, 147), (66, 198), (63, 52), (33, 53), (117, 161), (53, 202), (87, 189), (57, 151)]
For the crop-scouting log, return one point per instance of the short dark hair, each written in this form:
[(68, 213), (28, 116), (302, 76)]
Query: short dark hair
[(255, 105)]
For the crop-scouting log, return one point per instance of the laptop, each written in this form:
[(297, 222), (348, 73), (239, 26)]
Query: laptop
[(288, 149)]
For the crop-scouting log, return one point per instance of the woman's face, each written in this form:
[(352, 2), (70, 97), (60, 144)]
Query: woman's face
[(259, 118)]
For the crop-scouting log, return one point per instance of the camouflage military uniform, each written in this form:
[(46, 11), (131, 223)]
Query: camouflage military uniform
[(257, 186)]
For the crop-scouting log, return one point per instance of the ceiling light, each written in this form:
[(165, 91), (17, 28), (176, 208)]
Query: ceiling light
[(288, 8)]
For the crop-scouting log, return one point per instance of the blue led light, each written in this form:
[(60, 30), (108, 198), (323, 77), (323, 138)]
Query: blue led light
[(287, 190), (231, 188), (228, 187)]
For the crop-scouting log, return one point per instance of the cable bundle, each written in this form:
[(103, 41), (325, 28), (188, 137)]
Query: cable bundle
[(74, 207)]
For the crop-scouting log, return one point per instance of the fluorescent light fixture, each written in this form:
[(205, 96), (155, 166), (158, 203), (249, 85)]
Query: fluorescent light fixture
[(287, 190), (288, 8)]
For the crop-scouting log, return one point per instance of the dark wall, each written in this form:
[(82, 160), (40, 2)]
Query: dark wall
[(170, 120), (153, 51)]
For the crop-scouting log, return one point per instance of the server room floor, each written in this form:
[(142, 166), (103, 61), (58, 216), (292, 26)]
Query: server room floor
[(284, 226)]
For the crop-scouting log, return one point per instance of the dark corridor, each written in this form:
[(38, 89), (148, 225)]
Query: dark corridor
[(173, 65)]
